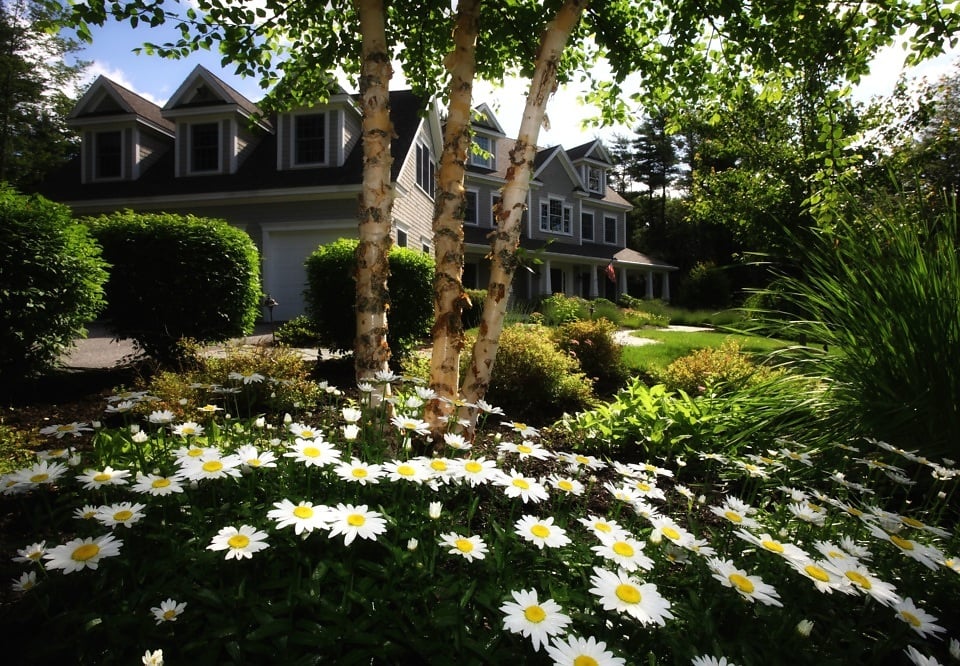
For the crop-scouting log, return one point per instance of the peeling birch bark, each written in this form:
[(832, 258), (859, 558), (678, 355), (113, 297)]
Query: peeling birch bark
[(371, 351), (506, 237), (448, 295)]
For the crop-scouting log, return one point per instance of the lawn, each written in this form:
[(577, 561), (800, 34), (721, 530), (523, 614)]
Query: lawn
[(671, 345)]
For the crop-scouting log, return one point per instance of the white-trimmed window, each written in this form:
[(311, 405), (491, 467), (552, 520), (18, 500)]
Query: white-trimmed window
[(595, 180), (401, 237), (555, 216), (204, 147), (108, 155), (610, 230), (426, 171), (586, 226), (470, 214), (484, 157), (309, 138)]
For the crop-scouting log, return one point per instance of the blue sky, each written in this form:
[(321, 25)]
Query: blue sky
[(111, 54)]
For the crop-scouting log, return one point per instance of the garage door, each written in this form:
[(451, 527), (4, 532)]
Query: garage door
[(284, 277)]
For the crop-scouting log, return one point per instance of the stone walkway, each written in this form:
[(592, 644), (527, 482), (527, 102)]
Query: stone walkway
[(626, 336)]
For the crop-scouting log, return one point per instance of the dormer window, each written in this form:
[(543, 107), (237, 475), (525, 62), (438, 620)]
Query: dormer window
[(310, 139), (595, 180), (204, 147), (108, 155), (482, 153)]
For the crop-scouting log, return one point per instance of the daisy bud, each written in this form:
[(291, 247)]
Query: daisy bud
[(182, 401), (287, 418), (434, 509), (153, 658), (656, 537), (259, 422), (95, 424), (139, 437), (804, 627), (941, 495), (702, 499), (134, 428), (412, 545), (351, 431)]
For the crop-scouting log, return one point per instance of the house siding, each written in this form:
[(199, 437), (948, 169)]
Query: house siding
[(412, 207)]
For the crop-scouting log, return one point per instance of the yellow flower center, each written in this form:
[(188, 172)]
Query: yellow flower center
[(742, 583), (671, 533), (160, 483), (627, 593), (563, 484), (438, 465), (583, 460), (643, 487), (853, 511), (64, 428), (912, 522), (534, 614), (193, 453), (859, 579), (303, 512), (540, 531), (121, 516), (85, 552), (585, 660), (906, 544), (817, 573), (253, 462), (238, 541), (359, 473), (464, 545), (521, 483), (311, 451), (356, 519), (39, 478), (212, 466), (623, 549), (911, 619), (473, 467), (519, 426), (523, 448), (308, 434), (602, 527), (56, 453), (772, 546), (35, 555), (169, 614), (836, 555), (406, 470), (733, 516), (101, 478)]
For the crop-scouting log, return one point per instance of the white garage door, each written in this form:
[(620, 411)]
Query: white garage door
[(284, 277)]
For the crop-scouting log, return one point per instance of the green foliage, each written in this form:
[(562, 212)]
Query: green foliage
[(599, 355), (177, 277), (672, 345), (560, 309), (298, 332), (51, 284), (533, 379), (880, 290), (601, 308), (720, 369), (331, 293), (642, 319), (705, 286)]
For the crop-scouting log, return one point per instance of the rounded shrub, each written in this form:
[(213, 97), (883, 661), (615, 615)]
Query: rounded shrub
[(176, 278), (722, 370), (560, 309), (51, 283), (331, 293), (600, 357)]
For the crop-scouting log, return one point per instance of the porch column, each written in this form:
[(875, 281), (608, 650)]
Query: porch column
[(649, 285), (622, 280), (594, 283), (547, 285), (665, 293)]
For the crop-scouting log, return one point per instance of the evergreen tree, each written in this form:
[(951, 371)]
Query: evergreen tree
[(35, 86)]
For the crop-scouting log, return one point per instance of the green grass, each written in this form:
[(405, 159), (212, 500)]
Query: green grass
[(672, 345)]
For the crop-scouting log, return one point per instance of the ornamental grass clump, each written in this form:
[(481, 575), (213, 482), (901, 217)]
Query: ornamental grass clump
[(326, 536)]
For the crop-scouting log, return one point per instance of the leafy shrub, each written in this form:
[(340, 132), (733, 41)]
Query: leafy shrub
[(534, 379), (641, 319), (177, 277), (559, 309), (705, 286), (331, 294), (51, 283), (471, 315), (298, 332), (601, 308), (717, 369), (599, 356)]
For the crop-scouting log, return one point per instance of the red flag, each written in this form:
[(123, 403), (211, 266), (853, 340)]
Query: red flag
[(611, 273)]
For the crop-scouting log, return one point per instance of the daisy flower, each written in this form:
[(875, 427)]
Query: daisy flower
[(623, 493), (86, 512), (580, 460), (301, 431), (917, 657), (809, 512), (820, 573), (861, 580), (78, 554), (925, 555), (210, 467), (625, 594), (354, 521), (54, 454), (456, 441), (194, 451), (566, 484), (350, 431), (75, 429), (32, 553), (26, 582), (576, 651), (425, 393), (707, 660), (787, 551), (124, 513), (313, 453), (470, 548), (537, 620), (305, 517), (188, 429), (522, 429), (735, 512), (525, 450), (161, 417), (440, 469), (751, 588), (351, 414), (168, 611), (247, 377), (120, 407), (919, 620), (358, 471), (249, 456), (603, 528), (42, 471), (154, 658), (239, 543), (624, 551), (411, 470), (477, 471), (409, 425), (157, 485), (526, 488), (108, 476), (665, 527), (209, 409), (918, 525), (541, 532)]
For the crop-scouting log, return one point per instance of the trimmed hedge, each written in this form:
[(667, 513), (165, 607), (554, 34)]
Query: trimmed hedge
[(331, 295), (51, 283), (176, 278), (600, 357)]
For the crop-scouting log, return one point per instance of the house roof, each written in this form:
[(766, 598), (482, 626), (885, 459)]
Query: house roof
[(93, 104), (190, 93), (257, 172)]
